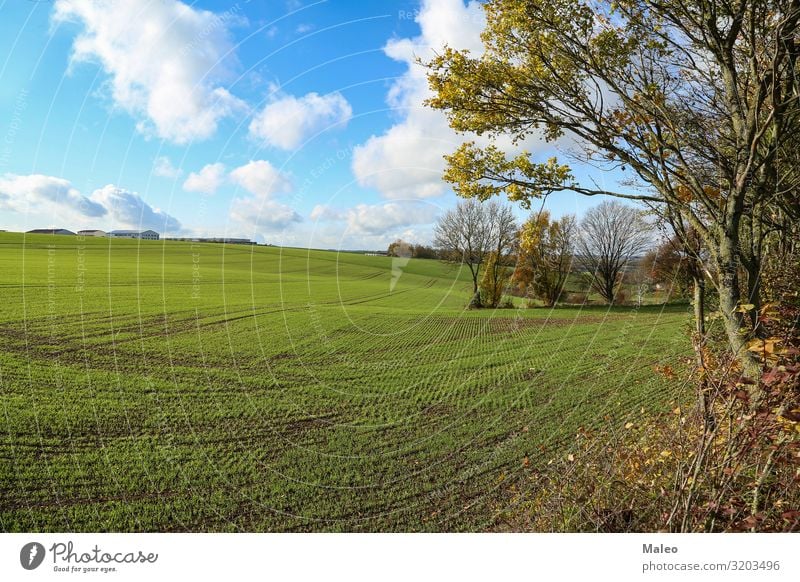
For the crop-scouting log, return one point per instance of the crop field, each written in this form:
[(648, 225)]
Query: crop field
[(176, 386)]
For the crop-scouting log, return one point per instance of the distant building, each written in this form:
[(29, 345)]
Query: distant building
[(92, 233), (50, 231), (142, 234), (377, 254)]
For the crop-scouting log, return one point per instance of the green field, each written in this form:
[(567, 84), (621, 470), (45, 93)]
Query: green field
[(170, 386)]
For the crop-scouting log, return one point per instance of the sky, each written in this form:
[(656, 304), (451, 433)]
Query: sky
[(290, 122)]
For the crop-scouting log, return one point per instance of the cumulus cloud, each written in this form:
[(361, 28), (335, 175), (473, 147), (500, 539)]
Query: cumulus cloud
[(264, 214), (48, 198), (162, 166), (39, 192), (260, 212), (261, 178), (167, 61), (365, 226), (207, 180), (288, 121), (128, 210), (406, 161), (377, 219), (323, 212)]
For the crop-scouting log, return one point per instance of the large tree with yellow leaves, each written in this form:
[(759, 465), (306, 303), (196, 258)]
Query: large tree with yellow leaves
[(694, 99)]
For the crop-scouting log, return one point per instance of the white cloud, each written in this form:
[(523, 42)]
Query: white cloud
[(207, 180), (167, 61), (323, 212), (406, 161), (46, 194), (364, 226), (261, 178), (49, 201), (289, 121), (162, 166), (378, 219), (260, 213), (263, 215), (374, 220), (128, 210)]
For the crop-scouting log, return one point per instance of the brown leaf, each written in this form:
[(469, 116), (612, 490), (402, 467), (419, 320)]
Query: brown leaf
[(793, 415), (791, 515)]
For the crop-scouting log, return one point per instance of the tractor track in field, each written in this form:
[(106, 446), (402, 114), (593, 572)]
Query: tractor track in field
[(297, 393), (29, 337)]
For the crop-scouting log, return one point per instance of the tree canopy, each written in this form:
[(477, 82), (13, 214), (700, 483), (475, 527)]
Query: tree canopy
[(546, 250), (697, 100)]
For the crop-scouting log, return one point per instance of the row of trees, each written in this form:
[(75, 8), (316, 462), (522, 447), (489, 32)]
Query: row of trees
[(401, 248), (539, 256), (697, 101)]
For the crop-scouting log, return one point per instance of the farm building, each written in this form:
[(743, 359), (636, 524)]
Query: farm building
[(142, 234), (92, 233), (50, 231)]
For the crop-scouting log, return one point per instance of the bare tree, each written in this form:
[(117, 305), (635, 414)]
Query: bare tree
[(611, 234), (502, 239), (470, 232)]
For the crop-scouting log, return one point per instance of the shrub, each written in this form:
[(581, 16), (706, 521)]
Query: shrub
[(576, 298), (494, 281), (730, 462)]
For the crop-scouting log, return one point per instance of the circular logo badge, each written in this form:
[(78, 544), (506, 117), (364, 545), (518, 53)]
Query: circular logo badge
[(31, 555)]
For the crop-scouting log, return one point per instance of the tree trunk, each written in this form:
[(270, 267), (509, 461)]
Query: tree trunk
[(699, 287), (699, 307), (729, 304), (608, 291), (753, 268), (475, 301)]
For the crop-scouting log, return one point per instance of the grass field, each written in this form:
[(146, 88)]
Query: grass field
[(169, 386)]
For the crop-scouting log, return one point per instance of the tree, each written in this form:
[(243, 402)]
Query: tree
[(694, 99), (546, 248), (424, 252), (494, 281), (468, 233), (400, 248), (611, 235), (674, 265), (502, 239), (640, 279)]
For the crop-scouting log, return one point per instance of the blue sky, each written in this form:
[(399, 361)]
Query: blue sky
[(288, 122)]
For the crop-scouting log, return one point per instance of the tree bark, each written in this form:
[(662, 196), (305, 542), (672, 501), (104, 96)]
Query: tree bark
[(753, 269), (699, 288), (729, 304)]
